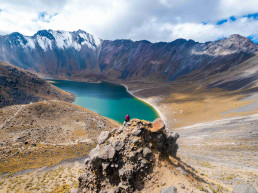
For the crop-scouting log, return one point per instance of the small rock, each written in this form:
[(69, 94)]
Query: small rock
[(26, 142), (244, 188), (108, 152), (105, 165), (147, 152), (175, 135), (182, 186), (34, 144), (87, 160), (118, 145), (120, 130), (170, 189), (104, 135), (157, 125), (113, 131), (125, 172), (137, 132), (163, 183), (182, 171), (94, 152)]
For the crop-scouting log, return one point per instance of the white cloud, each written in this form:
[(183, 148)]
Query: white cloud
[(228, 8), (154, 20)]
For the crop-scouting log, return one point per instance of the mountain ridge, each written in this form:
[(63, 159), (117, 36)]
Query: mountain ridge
[(80, 54)]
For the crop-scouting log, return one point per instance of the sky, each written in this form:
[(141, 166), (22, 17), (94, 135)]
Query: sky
[(153, 20)]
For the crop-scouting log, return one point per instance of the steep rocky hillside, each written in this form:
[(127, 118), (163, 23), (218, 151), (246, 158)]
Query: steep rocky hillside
[(47, 132), (80, 55), (18, 86), (51, 52), (168, 61)]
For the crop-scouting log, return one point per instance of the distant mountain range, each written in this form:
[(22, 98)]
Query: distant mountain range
[(80, 54)]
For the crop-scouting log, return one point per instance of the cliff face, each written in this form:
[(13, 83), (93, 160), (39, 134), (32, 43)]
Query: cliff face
[(79, 54), (18, 86)]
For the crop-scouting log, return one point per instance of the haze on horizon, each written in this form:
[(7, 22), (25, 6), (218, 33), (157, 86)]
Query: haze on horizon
[(153, 20)]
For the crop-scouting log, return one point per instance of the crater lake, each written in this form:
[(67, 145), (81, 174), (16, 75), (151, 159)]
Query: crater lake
[(107, 99)]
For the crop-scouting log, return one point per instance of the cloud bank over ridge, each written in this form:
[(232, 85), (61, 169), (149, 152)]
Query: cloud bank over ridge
[(153, 20)]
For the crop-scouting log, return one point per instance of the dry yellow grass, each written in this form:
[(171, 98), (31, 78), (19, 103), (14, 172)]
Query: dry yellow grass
[(68, 130), (43, 155), (202, 105)]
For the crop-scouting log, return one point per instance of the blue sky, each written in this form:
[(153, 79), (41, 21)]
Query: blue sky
[(232, 19), (153, 20)]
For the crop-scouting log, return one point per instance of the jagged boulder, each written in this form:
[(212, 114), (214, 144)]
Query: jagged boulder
[(123, 158), (104, 135)]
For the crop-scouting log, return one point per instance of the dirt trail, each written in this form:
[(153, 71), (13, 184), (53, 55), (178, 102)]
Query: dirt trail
[(7, 120)]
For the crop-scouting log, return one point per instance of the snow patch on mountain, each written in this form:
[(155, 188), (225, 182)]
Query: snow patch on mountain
[(97, 41), (60, 39), (89, 40), (64, 40), (44, 43), (30, 43)]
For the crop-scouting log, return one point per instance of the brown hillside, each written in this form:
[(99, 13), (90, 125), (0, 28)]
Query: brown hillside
[(47, 132), (18, 86)]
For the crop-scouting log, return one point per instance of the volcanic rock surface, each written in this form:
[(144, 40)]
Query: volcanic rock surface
[(125, 157)]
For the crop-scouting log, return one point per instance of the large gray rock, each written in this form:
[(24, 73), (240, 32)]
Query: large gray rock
[(104, 135), (94, 152), (108, 152), (244, 188), (170, 189), (118, 145)]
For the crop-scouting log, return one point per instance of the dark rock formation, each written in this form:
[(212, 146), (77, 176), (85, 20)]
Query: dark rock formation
[(122, 162)]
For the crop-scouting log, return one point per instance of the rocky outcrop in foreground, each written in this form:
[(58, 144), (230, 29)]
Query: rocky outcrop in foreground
[(124, 157)]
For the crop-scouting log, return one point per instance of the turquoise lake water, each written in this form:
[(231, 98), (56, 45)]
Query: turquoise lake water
[(107, 99)]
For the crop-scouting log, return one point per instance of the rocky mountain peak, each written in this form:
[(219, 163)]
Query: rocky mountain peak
[(239, 41), (124, 157), (45, 33), (237, 37), (232, 45)]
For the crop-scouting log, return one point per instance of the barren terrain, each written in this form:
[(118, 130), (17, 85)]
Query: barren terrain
[(217, 128), (44, 134)]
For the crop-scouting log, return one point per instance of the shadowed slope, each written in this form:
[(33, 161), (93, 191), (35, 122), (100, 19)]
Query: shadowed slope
[(18, 86)]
